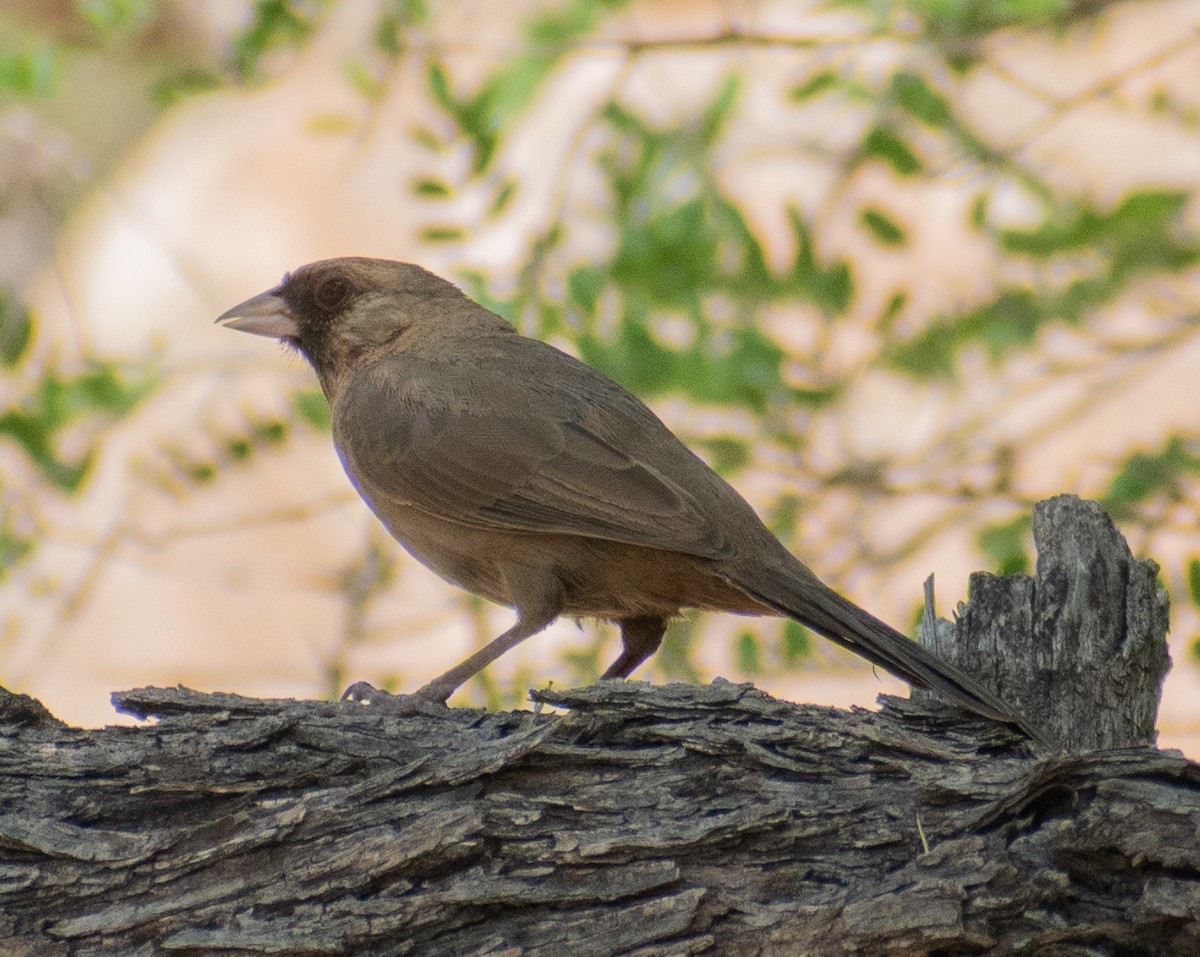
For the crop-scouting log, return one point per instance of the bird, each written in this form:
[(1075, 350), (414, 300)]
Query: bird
[(525, 476)]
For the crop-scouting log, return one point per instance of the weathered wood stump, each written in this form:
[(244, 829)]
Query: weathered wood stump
[(643, 821)]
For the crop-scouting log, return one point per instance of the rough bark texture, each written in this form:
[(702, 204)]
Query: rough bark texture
[(643, 821)]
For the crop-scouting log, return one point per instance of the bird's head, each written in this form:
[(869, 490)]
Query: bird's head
[(340, 313)]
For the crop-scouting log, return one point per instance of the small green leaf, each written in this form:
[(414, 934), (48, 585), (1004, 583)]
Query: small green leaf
[(726, 455), (1145, 475), (1005, 545), (424, 136), (57, 403), (431, 188), (313, 409), (270, 433), (277, 24), (33, 72), (797, 645), (893, 308), (201, 473), (14, 548), (713, 121), (979, 209), (914, 95), (1193, 577), (116, 16), (884, 229), (829, 287), (185, 83), (439, 86), (887, 145), (16, 329), (442, 234), (674, 656), (749, 654), (504, 195), (814, 86), (398, 16), (366, 81)]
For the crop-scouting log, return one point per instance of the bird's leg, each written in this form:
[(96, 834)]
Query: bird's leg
[(640, 638), (532, 616)]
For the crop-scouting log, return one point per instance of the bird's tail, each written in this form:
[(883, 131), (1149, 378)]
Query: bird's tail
[(797, 593)]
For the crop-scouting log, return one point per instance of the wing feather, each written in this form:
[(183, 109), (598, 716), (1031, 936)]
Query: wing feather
[(419, 433)]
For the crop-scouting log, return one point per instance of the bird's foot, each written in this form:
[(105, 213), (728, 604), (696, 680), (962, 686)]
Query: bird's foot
[(424, 701)]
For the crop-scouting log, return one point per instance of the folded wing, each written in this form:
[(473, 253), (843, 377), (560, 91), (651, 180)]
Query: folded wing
[(485, 450)]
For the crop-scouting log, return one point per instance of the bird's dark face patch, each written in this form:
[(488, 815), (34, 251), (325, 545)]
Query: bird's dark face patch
[(319, 297)]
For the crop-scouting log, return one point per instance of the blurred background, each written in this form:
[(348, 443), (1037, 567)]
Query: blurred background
[(897, 270)]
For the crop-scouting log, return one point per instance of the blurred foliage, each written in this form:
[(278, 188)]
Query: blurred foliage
[(1143, 235), (682, 294), (1006, 546), (48, 410), (1145, 476)]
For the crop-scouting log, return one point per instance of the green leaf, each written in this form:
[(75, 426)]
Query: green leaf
[(828, 287), (894, 307), (395, 18), (439, 86), (30, 73), (277, 24), (584, 285), (201, 473), (1145, 475), (725, 455), (814, 86), (888, 146), (1006, 545), (978, 215), (784, 516), (795, 641), (432, 188), (182, 84), (16, 329), (1193, 578), (749, 654), (34, 433), (504, 195), (14, 549), (917, 98), (1012, 319), (442, 234), (571, 22), (674, 656), (367, 82), (56, 403), (116, 16), (313, 409), (273, 432), (884, 229), (712, 123)]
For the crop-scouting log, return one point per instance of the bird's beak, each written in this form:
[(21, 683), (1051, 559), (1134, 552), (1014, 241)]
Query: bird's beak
[(264, 315)]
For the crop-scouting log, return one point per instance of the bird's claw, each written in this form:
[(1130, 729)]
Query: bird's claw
[(424, 701), (361, 692)]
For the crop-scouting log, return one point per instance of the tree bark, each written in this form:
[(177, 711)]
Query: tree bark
[(643, 820)]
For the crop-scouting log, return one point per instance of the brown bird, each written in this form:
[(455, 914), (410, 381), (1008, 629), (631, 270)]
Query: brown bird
[(523, 475)]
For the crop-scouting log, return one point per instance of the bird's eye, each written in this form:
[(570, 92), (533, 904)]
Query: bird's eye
[(331, 294)]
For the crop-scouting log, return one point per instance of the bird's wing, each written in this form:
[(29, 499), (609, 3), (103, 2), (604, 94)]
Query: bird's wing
[(422, 435)]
